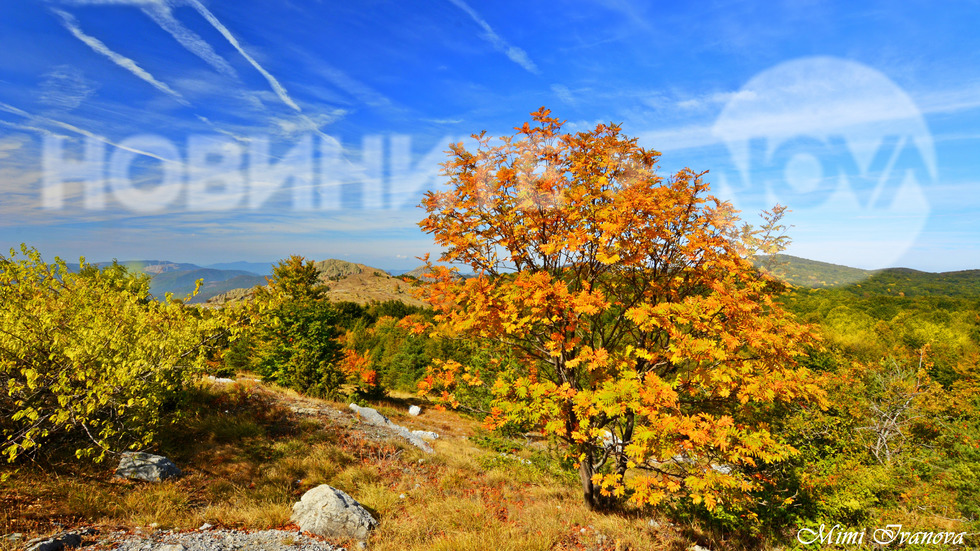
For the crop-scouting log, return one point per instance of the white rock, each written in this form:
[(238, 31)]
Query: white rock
[(426, 434), (371, 416), (414, 410), (329, 512)]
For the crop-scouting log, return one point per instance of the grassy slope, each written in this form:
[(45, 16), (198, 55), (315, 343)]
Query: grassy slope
[(247, 459)]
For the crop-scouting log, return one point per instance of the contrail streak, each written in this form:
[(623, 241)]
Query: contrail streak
[(98, 46), (11, 109), (276, 87), (515, 54), (163, 16)]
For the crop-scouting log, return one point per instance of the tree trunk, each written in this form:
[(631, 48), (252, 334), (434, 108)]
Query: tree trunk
[(621, 459), (585, 475)]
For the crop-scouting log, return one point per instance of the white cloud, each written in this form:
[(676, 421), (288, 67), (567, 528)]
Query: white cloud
[(98, 46), (355, 88), (28, 128), (444, 121), (515, 54), (716, 98), (9, 145), (290, 127)]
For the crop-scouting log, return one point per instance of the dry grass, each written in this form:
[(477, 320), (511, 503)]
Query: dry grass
[(247, 460)]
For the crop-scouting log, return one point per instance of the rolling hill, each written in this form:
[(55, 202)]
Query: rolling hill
[(346, 281), (360, 283), (813, 274), (180, 278)]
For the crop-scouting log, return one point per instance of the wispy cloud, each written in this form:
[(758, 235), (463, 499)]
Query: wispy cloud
[(27, 127), (276, 86), (9, 144), (444, 121), (35, 119), (352, 86), (161, 12), (65, 87), (98, 46), (163, 16), (950, 100), (563, 93), (515, 54)]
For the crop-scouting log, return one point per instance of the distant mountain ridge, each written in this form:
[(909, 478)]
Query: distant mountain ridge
[(180, 278), (153, 267), (814, 274), (259, 268), (362, 283)]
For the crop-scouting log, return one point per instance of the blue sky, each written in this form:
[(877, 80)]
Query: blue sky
[(863, 118)]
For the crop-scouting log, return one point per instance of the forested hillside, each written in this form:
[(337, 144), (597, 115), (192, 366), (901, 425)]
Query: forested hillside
[(890, 281)]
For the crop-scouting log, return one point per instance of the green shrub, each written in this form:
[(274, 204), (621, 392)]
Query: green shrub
[(297, 347)]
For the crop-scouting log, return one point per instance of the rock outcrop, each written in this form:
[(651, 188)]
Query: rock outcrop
[(372, 417)]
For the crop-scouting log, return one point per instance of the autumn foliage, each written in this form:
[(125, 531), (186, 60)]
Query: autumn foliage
[(648, 344)]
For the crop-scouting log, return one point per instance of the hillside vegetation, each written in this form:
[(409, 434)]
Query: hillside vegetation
[(617, 375), (248, 455)]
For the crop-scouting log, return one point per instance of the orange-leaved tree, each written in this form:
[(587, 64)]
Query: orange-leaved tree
[(649, 344)]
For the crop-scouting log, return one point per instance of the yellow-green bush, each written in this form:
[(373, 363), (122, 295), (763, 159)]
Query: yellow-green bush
[(88, 360)]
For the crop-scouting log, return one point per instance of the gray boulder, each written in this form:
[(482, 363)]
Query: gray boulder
[(413, 439), (372, 417), (146, 466), (58, 543), (328, 512)]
